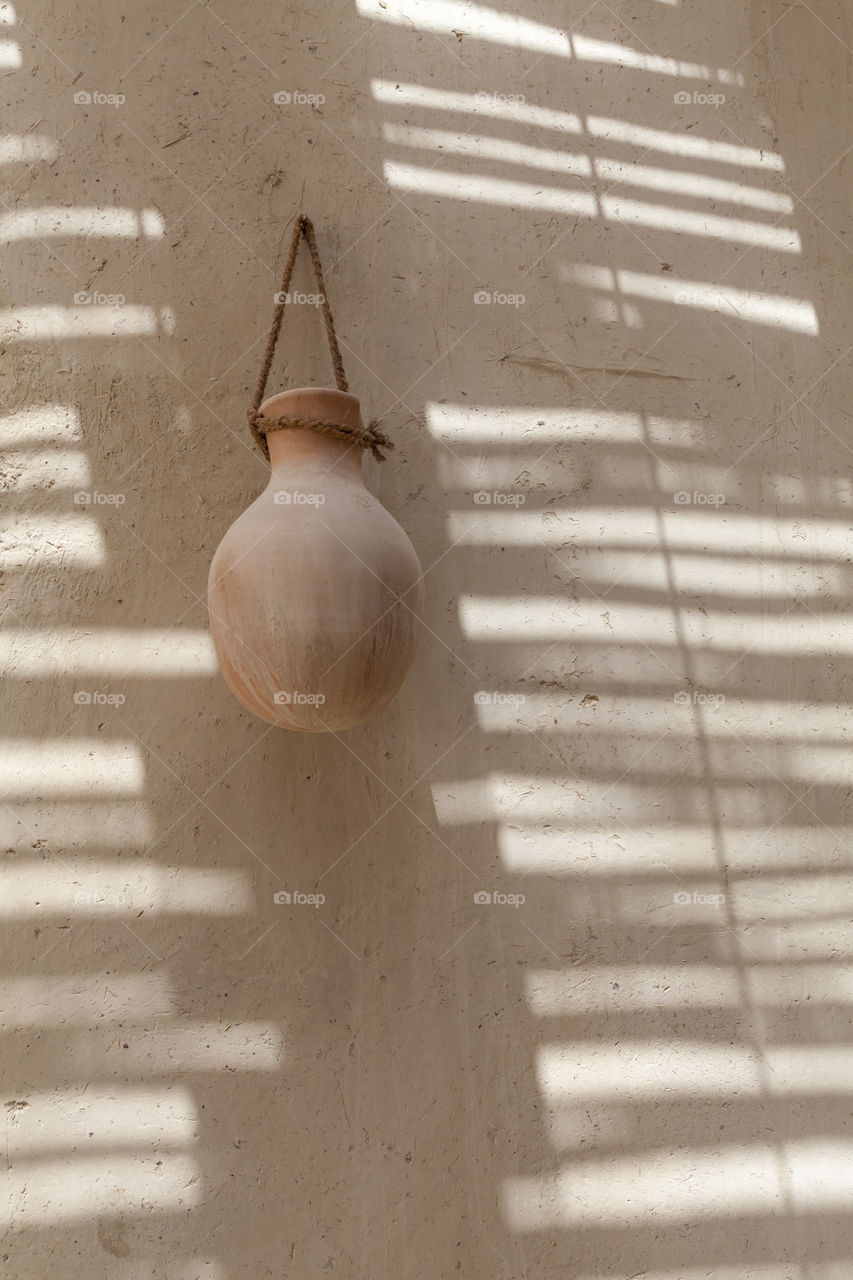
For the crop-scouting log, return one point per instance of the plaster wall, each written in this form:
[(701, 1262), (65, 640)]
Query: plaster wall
[(590, 264)]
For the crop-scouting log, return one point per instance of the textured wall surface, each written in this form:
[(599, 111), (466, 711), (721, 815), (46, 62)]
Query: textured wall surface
[(576, 1000)]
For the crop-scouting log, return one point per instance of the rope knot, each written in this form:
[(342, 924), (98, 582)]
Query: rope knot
[(371, 437)]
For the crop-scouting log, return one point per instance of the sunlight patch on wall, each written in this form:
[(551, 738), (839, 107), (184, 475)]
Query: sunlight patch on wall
[(46, 324), (86, 1000), (643, 528), (477, 21), (46, 540), (697, 186), (817, 1270), (49, 1191), (447, 17), (770, 898), (34, 468), (72, 220), (522, 424), (101, 823), (699, 899), (212, 1269), (487, 105), (467, 801), (576, 847), (108, 651), (788, 724), (607, 572), (788, 942), (620, 55), (503, 619), (505, 192), (27, 148), (674, 143), (480, 147), (556, 813), (770, 309), (470, 471), (189, 1048), (669, 1069), (79, 767), (583, 851), (498, 191), (103, 1118), (616, 172), (778, 577), (599, 989), (695, 1185), (669, 142), (95, 889), (40, 424)]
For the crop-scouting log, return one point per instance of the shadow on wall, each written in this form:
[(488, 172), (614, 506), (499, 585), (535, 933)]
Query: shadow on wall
[(575, 999)]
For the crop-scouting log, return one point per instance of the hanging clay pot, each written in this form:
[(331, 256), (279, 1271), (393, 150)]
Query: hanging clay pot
[(315, 591)]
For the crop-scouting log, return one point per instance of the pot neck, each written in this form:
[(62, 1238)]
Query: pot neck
[(298, 447)]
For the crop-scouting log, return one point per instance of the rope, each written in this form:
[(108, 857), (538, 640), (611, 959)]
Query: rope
[(371, 437)]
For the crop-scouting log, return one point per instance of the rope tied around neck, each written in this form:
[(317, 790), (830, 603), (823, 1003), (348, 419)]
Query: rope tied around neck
[(370, 437)]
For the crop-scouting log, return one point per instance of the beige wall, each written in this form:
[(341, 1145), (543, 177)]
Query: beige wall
[(606, 1081)]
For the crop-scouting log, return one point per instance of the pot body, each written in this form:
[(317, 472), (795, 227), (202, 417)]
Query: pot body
[(315, 591)]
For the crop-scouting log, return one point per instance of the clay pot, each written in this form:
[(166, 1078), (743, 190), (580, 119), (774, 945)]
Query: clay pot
[(315, 590)]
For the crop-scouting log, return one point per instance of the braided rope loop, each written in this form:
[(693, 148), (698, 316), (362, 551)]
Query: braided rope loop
[(370, 437)]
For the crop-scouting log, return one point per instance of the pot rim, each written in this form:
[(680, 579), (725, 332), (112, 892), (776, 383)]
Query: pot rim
[(324, 403)]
